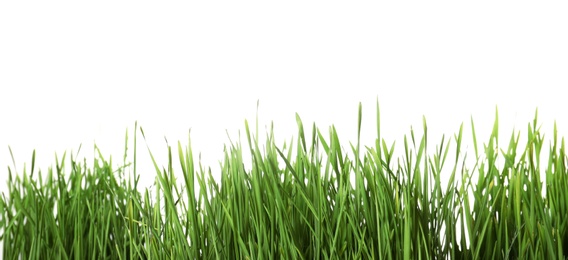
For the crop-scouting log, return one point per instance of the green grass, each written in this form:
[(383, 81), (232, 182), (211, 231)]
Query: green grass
[(313, 198)]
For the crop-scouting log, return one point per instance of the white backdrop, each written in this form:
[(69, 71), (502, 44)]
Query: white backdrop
[(77, 73)]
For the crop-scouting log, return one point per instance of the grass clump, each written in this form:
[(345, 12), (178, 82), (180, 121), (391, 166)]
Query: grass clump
[(308, 199)]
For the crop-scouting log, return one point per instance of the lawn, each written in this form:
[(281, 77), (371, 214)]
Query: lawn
[(312, 198)]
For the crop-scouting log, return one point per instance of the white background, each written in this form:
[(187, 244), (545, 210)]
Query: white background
[(76, 73)]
